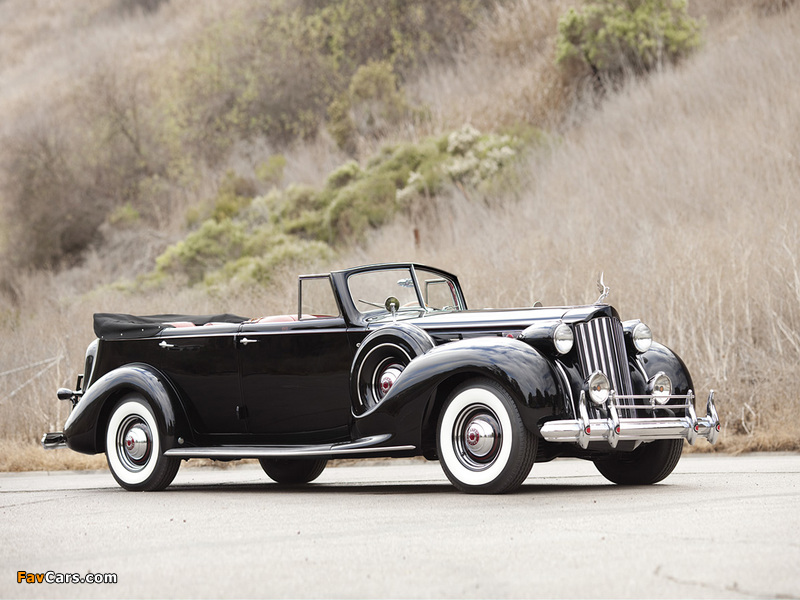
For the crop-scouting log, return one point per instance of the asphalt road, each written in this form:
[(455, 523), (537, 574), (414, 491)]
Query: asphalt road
[(719, 527)]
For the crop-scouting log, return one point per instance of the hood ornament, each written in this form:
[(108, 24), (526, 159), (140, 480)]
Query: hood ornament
[(603, 289)]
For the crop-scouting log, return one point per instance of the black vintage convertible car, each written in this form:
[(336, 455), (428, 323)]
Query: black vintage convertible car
[(384, 360)]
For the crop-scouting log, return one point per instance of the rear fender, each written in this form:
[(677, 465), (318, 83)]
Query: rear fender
[(412, 405), (85, 427)]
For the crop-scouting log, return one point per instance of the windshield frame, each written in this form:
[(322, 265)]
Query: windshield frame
[(377, 310)]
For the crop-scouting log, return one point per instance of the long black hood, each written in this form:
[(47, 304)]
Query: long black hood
[(494, 320)]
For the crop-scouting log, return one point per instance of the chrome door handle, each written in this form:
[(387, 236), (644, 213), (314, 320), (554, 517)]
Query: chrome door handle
[(165, 345), (246, 341)]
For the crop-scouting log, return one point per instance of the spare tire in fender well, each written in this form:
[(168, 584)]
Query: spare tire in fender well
[(385, 351)]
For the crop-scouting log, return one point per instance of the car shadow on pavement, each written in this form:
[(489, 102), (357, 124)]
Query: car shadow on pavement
[(357, 488)]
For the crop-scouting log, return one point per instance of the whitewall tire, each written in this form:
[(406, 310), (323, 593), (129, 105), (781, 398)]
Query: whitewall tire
[(134, 449), (483, 444)]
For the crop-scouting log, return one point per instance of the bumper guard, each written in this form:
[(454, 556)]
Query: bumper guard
[(53, 440), (614, 428)]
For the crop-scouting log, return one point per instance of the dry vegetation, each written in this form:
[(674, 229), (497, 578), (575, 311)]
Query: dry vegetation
[(682, 188)]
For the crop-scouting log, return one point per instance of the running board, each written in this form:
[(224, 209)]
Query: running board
[(365, 445)]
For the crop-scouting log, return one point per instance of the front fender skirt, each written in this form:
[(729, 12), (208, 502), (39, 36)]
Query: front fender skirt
[(84, 429)]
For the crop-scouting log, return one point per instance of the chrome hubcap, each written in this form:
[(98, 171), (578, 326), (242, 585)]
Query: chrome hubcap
[(388, 377), (480, 437), (134, 443), (477, 437)]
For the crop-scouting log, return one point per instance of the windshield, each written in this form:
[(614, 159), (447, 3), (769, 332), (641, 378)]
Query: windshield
[(370, 290)]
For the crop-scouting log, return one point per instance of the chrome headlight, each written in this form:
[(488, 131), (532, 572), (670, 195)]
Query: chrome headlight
[(660, 387), (563, 339), (642, 338), (599, 387)]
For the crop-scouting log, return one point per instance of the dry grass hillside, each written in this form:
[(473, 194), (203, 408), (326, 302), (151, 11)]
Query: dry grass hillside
[(681, 188)]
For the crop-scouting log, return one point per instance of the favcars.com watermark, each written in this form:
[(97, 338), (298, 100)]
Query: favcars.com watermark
[(53, 577)]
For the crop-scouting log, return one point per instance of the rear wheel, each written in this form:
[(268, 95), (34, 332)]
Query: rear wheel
[(133, 447), (649, 463), (484, 447), (301, 470)]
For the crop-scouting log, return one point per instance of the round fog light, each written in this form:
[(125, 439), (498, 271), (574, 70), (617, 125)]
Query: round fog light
[(599, 388), (660, 387)]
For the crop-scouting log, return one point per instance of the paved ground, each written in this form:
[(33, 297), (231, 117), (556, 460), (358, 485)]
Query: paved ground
[(719, 527)]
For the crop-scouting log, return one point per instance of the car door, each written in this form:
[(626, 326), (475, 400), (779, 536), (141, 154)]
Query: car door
[(201, 363), (295, 379)]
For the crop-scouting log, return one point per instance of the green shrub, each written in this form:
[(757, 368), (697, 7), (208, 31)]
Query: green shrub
[(343, 175), (400, 32), (251, 270), (607, 39), (372, 105), (124, 215), (271, 171), (209, 248), (235, 193)]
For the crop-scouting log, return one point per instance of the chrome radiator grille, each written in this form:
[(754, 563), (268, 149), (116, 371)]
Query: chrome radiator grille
[(601, 347)]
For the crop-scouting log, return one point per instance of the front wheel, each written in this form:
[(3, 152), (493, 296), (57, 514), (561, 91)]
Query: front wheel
[(484, 447), (649, 463), (133, 447), (299, 470)]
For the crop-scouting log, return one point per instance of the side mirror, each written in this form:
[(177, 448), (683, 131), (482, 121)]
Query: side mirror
[(392, 305)]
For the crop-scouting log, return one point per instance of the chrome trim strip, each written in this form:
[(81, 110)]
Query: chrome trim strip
[(565, 381), (362, 446)]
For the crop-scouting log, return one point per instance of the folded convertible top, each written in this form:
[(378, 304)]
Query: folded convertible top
[(113, 326)]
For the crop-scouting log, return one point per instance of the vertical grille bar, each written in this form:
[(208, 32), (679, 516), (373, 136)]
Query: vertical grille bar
[(601, 347)]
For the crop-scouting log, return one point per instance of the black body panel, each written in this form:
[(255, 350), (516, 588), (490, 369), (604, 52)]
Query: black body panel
[(201, 365), (295, 381)]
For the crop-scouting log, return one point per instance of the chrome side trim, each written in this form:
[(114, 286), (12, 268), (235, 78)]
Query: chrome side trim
[(614, 429), (361, 446), (565, 381)]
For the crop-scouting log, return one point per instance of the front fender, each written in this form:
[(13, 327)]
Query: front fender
[(85, 427), (661, 358), (408, 407)]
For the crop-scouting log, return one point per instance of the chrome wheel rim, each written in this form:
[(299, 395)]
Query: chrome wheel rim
[(477, 437), (134, 443)]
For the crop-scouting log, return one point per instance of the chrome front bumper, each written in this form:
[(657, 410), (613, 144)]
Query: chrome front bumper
[(615, 429)]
